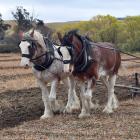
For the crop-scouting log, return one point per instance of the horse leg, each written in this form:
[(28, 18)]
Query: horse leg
[(85, 111), (104, 80), (73, 102), (112, 102), (88, 94), (76, 101), (45, 97), (52, 97), (115, 102)]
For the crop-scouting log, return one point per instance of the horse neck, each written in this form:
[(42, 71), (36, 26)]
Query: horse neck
[(38, 52), (40, 39), (77, 44)]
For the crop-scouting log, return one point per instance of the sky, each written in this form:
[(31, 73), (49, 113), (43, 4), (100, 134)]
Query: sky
[(71, 10)]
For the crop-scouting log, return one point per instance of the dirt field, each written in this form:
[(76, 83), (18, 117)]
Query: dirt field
[(21, 107)]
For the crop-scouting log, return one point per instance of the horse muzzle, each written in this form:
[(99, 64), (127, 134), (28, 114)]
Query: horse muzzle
[(25, 62), (68, 68)]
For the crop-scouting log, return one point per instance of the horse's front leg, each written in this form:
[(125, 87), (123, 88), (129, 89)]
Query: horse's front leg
[(52, 97), (73, 102), (45, 97), (90, 88), (85, 111)]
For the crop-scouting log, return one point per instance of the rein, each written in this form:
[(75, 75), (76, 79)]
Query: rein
[(92, 43)]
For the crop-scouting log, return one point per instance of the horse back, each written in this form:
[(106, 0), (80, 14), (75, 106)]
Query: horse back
[(107, 57)]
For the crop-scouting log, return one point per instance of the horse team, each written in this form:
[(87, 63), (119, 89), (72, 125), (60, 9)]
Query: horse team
[(77, 59)]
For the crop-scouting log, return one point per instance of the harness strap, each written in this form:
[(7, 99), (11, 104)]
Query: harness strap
[(66, 61), (26, 55), (48, 61)]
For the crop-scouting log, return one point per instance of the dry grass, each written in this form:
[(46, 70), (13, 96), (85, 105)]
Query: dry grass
[(12, 76), (21, 106), (14, 71)]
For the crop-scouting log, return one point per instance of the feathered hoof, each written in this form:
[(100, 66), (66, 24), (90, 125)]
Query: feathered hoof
[(115, 105), (46, 116), (83, 115), (75, 106), (108, 110), (67, 110)]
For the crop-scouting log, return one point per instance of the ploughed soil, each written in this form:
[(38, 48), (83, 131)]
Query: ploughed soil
[(21, 107)]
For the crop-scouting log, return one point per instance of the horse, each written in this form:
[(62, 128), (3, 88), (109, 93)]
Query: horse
[(47, 66), (89, 62)]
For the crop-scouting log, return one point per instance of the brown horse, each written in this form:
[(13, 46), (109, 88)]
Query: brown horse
[(90, 61)]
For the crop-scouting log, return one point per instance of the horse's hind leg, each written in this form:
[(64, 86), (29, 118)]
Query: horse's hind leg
[(52, 97), (112, 100), (45, 97), (73, 102)]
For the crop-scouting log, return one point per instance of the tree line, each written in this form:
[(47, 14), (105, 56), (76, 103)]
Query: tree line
[(125, 33), (24, 21)]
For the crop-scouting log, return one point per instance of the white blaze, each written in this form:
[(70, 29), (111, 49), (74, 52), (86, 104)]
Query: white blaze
[(66, 56), (24, 46)]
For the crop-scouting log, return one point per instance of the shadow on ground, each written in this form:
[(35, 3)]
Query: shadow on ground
[(19, 106)]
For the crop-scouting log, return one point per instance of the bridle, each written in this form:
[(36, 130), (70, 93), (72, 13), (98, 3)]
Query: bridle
[(71, 49), (70, 61), (33, 48)]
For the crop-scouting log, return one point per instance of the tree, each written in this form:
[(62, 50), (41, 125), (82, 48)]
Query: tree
[(23, 18), (3, 28)]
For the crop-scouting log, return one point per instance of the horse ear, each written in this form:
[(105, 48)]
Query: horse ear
[(59, 37), (32, 33)]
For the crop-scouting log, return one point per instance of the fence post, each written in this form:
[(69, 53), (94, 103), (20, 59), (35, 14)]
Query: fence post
[(136, 84)]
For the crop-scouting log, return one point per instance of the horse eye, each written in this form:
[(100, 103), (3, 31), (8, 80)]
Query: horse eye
[(30, 47)]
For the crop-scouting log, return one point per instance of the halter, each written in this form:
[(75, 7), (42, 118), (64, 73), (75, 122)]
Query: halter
[(70, 52), (49, 54), (32, 49), (75, 58)]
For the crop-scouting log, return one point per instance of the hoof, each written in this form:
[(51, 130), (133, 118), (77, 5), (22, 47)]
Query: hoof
[(75, 106), (67, 110), (93, 106), (55, 106), (115, 106), (71, 108), (108, 110), (83, 115), (45, 116)]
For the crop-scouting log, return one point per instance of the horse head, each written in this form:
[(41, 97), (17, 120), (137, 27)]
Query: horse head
[(32, 45), (73, 45)]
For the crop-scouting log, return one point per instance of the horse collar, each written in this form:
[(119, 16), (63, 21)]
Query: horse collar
[(85, 55), (49, 58)]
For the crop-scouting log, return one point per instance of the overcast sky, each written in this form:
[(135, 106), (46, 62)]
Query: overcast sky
[(69, 10)]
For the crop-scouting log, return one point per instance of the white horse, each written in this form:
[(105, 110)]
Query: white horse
[(47, 67)]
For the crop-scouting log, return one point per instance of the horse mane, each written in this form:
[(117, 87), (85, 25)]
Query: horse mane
[(75, 32), (37, 36)]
